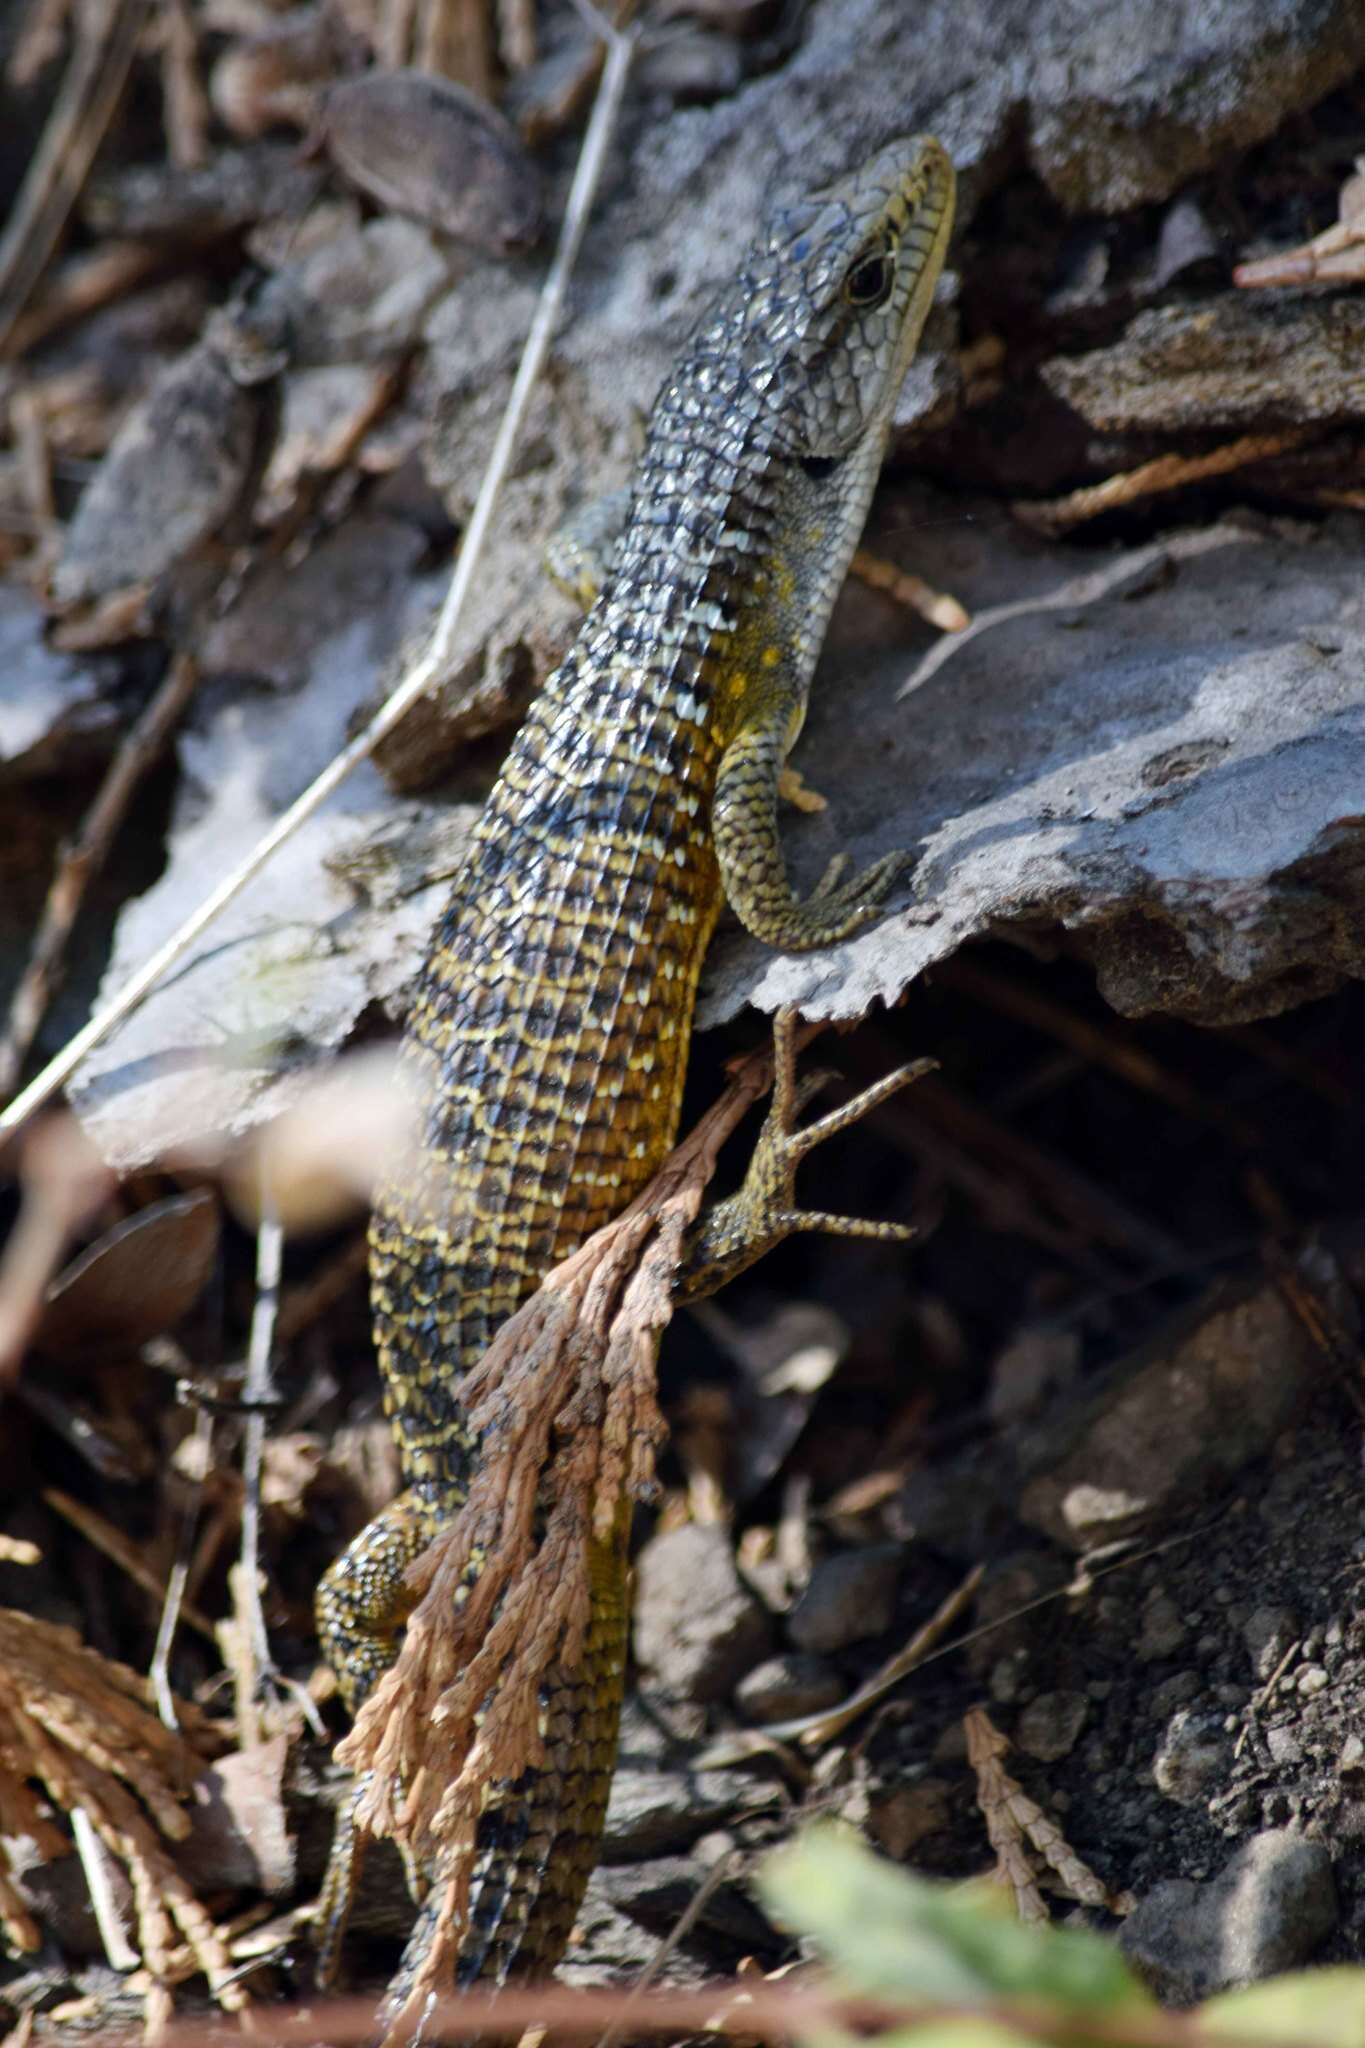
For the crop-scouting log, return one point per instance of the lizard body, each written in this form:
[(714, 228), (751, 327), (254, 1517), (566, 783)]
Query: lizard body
[(549, 1035)]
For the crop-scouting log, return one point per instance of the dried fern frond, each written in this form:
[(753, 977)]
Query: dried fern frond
[(565, 1403), (79, 1727)]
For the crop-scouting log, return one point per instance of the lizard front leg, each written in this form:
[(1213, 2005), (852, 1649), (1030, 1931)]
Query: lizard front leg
[(751, 777)]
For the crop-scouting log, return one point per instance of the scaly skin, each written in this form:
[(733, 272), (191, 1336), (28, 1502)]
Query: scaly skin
[(549, 1036)]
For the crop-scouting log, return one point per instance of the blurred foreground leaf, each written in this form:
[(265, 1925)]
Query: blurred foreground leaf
[(886, 1933)]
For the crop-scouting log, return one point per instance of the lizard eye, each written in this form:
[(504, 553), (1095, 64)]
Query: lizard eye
[(870, 279)]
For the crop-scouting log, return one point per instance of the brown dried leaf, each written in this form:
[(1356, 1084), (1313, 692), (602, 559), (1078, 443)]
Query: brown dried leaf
[(424, 147), (136, 1281)]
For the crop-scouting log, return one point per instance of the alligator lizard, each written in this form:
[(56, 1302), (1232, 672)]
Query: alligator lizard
[(550, 1029)]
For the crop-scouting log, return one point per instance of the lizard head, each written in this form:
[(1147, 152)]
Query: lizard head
[(835, 294)]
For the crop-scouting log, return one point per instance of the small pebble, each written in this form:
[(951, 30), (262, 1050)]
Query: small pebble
[(698, 1628), (1265, 1912), (1163, 1630), (850, 1596), (783, 1687), (1176, 1691), (1191, 1758), (1049, 1726), (1268, 1633)]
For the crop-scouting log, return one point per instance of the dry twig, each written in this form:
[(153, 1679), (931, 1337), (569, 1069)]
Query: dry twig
[(89, 96), (1150, 479), (82, 860), (939, 607), (1333, 257)]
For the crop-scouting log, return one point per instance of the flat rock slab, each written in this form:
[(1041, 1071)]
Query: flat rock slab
[(1107, 119), (1174, 773), (336, 922)]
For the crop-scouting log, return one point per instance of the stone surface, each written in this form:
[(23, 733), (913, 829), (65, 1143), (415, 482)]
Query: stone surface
[(850, 1596), (45, 698), (1268, 1633), (1163, 1631), (1192, 1757), (658, 1893), (1170, 1424), (1271, 1907), (652, 1812), (698, 1628), (334, 924), (784, 1687), (1049, 1727), (1169, 771), (1238, 361)]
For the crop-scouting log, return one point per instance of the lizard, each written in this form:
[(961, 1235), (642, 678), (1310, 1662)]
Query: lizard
[(548, 1037)]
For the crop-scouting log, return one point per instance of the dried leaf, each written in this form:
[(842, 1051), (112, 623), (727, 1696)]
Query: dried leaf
[(425, 147), (136, 1281)]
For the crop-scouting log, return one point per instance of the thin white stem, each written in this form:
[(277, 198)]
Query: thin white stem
[(592, 157), (258, 1391)]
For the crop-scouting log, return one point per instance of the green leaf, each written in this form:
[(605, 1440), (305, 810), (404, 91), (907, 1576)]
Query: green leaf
[(1326, 2007), (887, 1933)]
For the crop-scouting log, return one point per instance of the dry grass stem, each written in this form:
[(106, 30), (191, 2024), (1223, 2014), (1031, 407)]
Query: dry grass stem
[(1166, 473), (1125, 573), (937, 606), (813, 1731), (96, 74), (82, 860), (121, 1550)]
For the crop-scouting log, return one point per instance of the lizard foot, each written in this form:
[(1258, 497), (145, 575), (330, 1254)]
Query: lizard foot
[(735, 1232)]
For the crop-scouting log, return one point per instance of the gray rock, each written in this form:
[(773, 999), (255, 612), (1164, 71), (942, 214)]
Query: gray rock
[(1230, 362), (1268, 1634), (789, 1685), (850, 1596), (1174, 1421), (1267, 1911), (1282, 1741), (1173, 1692), (1192, 1757), (1173, 793), (332, 926), (698, 1628), (47, 700), (1049, 1726), (653, 1812), (1163, 1630), (609, 1946), (659, 1892)]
